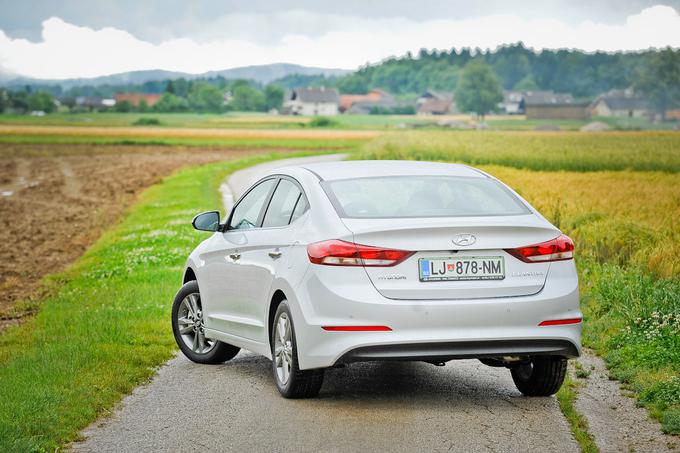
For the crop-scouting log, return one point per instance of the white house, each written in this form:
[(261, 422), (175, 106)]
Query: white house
[(312, 101), (512, 102)]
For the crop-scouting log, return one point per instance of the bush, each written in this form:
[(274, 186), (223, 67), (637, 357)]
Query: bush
[(671, 422), (322, 121), (147, 122), (395, 110)]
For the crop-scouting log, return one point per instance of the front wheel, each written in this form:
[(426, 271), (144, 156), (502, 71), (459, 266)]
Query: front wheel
[(290, 380), (187, 326), (540, 376)]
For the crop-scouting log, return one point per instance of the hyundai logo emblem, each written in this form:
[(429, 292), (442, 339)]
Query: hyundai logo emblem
[(464, 239)]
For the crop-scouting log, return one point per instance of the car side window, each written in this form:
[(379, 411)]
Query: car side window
[(300, 208), (247, 212), (282, 204)]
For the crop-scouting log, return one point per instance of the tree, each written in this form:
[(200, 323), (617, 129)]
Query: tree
[(180, 87), (273, 97), (512, 68), (659, 80), (247, 99), (18, 101), (170, 103), (526, 84), (143, 106), (204, 97), (123, 106), (478, 89), (4, 100), (41, 101)]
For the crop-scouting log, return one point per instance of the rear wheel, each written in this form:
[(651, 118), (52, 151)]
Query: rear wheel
[(290, 380), (541, 376), (187, 326)]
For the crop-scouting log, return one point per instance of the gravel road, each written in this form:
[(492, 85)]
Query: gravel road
[(463, 406)]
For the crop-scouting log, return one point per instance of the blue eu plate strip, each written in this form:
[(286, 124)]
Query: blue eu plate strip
[(424, 268)]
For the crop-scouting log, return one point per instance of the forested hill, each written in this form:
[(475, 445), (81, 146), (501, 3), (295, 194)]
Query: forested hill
[(572, 71)]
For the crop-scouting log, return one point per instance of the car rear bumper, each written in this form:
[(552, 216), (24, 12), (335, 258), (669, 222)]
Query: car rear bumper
[(444, 351), (431, 330)]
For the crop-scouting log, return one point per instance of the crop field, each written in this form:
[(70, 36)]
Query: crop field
[(618, 196), (547, 151), (99, 326), (233, 138), (262, 121)]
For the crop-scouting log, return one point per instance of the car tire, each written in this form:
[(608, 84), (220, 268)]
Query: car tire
[(541, 376), (187, 327), (290, 380)]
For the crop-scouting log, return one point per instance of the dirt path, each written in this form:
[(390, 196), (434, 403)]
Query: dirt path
[(56, 199), (615, 422)]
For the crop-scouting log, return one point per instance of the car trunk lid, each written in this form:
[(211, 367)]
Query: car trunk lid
[(432, 240)]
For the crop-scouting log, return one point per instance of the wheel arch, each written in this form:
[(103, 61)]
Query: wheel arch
[(189, 275), (274, 302)]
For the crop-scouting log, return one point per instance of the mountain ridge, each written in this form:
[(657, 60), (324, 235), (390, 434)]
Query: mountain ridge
[(259, 73)]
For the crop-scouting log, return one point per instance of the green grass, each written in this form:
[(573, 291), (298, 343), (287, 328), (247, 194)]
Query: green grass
[(519, 123), (551, 151), (578, 424), (237, 120), (106, 327), (633, 321), (253, 120), (170, 120)]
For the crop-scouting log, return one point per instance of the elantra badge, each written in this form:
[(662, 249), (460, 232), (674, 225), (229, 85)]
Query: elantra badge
[(464, 239)]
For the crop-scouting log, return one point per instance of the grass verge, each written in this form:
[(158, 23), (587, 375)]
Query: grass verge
[(578, 424), (633, 322), (106, 328)]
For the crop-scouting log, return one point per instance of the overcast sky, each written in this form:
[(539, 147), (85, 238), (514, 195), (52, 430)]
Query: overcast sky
[(74, 38)]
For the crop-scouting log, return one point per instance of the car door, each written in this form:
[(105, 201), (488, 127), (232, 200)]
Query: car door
[(225, 288), (265, 252)]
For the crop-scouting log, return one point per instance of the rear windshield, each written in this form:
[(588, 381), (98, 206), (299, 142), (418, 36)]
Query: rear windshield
[(421, 196)]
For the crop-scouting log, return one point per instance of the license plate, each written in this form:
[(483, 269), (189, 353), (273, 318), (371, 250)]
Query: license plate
[(461, 268)]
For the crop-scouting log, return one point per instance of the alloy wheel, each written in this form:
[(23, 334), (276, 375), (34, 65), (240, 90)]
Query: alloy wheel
[(283, 348), (191, 327)]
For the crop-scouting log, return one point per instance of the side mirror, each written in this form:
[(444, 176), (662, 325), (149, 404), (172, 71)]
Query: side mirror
[(207, 221)]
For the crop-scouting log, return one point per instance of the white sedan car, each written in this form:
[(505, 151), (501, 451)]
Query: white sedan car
[(326, 264)]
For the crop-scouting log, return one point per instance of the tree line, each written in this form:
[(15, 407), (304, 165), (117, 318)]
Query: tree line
[(584, 75), (479, 88), (656, 74), (213, 95)]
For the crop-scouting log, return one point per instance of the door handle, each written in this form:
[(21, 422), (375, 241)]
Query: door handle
[(235, 256), (275, 254)]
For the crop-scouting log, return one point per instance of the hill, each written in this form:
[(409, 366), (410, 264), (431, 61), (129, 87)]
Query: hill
[(582, 74), (258, 73)]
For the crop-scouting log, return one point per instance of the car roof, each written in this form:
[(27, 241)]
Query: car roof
[(371, 168)]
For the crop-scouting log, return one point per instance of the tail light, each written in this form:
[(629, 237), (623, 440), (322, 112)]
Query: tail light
[(558, 249), (560, 322), (342, 253)]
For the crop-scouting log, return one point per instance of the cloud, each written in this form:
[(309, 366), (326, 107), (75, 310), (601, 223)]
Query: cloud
[(67, 50)]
